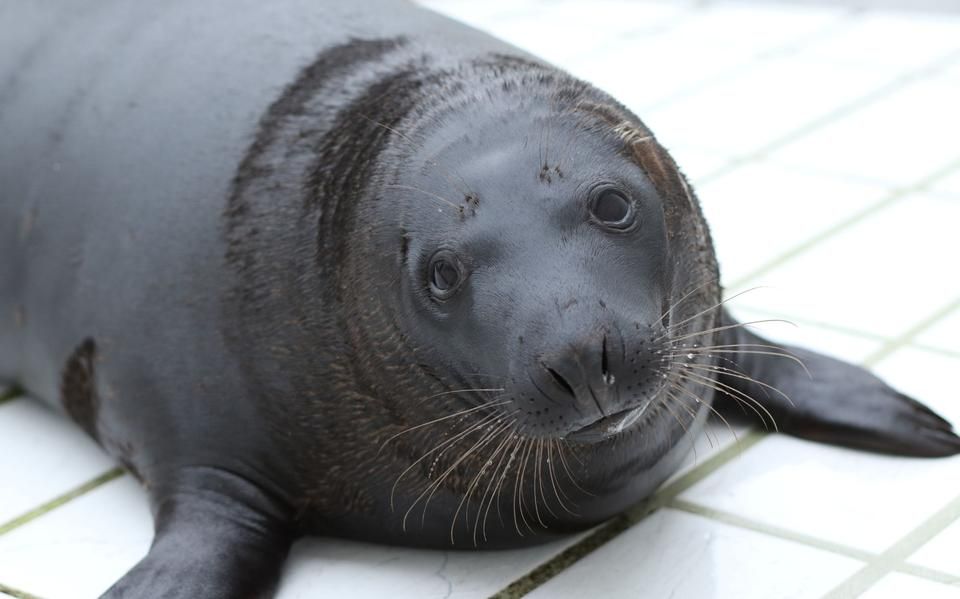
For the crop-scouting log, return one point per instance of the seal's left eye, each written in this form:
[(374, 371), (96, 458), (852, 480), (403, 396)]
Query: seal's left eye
[(612, 209), (445, 274)]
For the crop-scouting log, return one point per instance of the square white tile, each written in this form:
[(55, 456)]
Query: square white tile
[(894, 40), (901, 138), (949, 186), (899, 586), (882, 275), (941, 552), (848, 497), (78, 550), (648, 68), (742, 114), (761, 210), (755, 29), (336, 568), (670, 64), (44, 456), (676, 554)]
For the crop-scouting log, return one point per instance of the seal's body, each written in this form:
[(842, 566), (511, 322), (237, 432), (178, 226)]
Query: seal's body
[(357, 269)]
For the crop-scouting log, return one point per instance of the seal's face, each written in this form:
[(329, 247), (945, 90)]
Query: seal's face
[(544, 276)]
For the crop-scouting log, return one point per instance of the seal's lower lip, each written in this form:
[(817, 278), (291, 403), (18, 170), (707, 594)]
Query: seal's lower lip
[(608, 426)]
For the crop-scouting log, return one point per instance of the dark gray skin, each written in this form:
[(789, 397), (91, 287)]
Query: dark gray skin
[(312, 270)]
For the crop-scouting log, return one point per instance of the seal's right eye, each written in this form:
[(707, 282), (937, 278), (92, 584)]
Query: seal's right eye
[(612, 209), (445, 274)]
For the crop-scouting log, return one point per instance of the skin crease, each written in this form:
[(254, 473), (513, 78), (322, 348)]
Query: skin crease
[(222, 250)]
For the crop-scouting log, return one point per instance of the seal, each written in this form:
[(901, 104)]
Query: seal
[(370, 273)]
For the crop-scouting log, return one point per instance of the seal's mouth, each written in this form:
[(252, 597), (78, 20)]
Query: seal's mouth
[(608, 426)]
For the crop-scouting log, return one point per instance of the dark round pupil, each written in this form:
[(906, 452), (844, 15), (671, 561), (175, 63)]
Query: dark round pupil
[(444, 275), (611, 207)]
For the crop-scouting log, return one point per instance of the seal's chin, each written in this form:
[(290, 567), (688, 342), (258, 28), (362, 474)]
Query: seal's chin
[(609, 426)]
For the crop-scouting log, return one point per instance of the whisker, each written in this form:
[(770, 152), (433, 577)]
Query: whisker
[(522, 472), (727, 390), (724, 328), (563, 461), (699, 401), (687, 295), (554, 482), (439, 198), (476, 426), (495, 478), (517, 449), (447, 171), (455, 391), (441, 419), (730, 349), (539, 462), (484, 439), (738, 375), (675, 325), (473, 484), (666, 406)]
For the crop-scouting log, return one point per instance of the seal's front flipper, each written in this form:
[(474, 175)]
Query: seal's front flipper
[(829, 400), (224, 540)]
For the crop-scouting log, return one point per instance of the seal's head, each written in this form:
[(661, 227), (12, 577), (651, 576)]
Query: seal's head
[(535, 251), (548, 270)]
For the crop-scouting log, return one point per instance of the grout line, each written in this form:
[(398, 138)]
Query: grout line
[(10, 394), (894, 556), (812, 322), (618, 524), (818, 238), (16, 592), (770, 530), (933, 349), (892, 87), (62, 499), (829, 326), (646, 33), (929, 574), (844, 224), (753, 61), (911, 333), (810, 541)]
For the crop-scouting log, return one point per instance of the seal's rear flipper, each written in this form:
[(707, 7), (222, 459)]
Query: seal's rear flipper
[(224, 540), (829, 400)]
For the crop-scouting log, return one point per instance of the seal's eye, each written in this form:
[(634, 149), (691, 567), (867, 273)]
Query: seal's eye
[(445, 274), (612, 209)]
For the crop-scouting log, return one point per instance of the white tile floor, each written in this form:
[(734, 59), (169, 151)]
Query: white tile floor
[(823, 143)]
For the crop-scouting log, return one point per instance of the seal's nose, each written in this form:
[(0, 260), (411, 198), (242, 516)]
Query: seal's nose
[(601, 380), (582, 372)]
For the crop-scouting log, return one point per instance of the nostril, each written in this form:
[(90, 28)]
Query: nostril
[(603, 357), (560, 380), (604, 363)]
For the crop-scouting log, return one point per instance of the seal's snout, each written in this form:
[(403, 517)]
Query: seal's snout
[(583, 373), (599, 383)]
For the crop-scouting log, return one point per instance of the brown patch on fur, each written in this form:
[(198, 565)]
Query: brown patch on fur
[(78, 388)]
